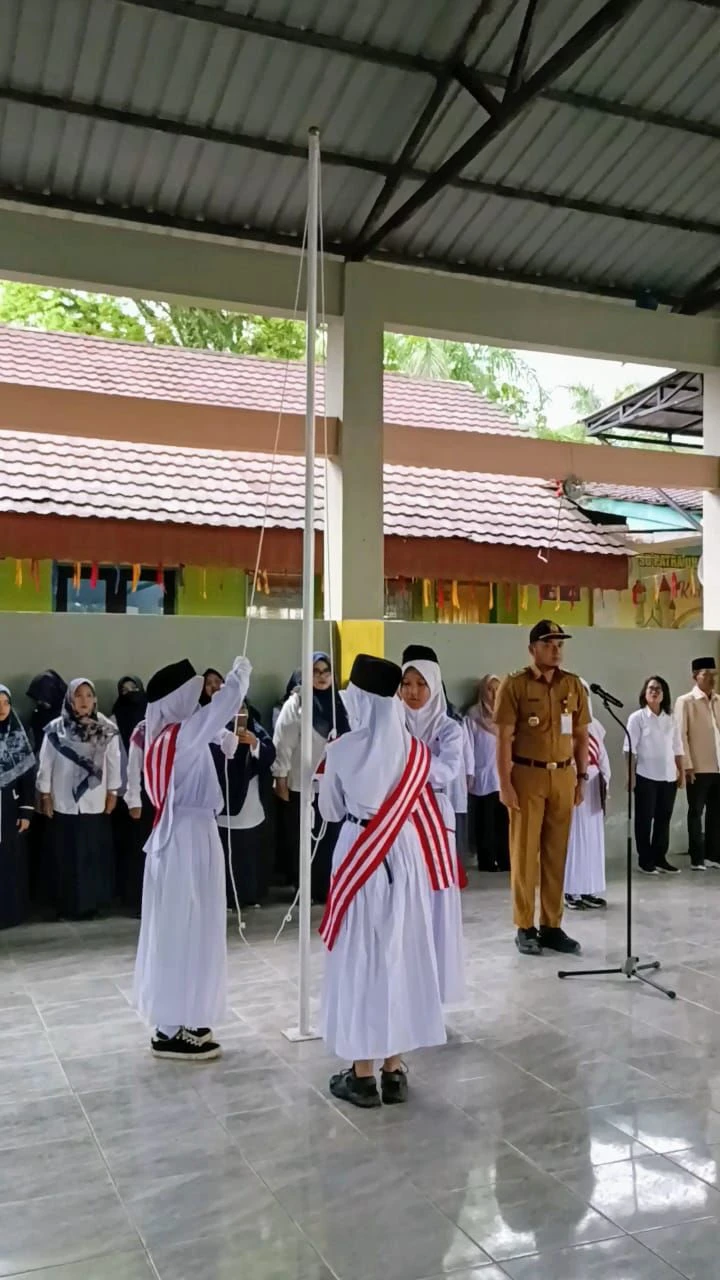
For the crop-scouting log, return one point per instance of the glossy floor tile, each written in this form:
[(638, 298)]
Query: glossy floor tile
[(568, 1131)]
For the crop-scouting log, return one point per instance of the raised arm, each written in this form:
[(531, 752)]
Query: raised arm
[(206, 723)]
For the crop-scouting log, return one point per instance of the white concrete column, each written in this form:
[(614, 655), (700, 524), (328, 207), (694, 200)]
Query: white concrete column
[(354, 557), (711, 506)]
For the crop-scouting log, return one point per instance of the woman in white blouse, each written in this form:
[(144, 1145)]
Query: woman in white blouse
[(79, 776), (657, 771), (489, 817)]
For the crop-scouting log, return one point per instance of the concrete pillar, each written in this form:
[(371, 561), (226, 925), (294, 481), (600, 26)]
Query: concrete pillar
[(355, 550), (711, 507)]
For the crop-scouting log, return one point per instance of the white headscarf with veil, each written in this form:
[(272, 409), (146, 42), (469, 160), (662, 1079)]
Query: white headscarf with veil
[(426, 722)]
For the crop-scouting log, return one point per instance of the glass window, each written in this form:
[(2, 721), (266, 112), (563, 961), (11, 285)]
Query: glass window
[(112, 592), (277, 595), (85, 598), (148, 598)]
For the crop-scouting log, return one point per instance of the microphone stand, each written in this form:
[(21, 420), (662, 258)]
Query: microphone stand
[(631, 966)]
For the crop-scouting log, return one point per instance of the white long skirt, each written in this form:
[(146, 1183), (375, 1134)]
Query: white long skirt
[(181, 966), (585, 866), (382, 991)]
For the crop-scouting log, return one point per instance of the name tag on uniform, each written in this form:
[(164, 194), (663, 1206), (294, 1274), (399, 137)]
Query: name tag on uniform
[(566, 722)]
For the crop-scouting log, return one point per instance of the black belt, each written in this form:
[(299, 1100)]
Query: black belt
[(542, 764), (365, 822)]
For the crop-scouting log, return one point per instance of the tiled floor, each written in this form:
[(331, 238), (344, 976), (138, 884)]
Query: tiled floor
[(570, 1131)]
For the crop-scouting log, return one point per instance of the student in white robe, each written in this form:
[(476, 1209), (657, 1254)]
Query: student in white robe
[(381, 993), (181, 966), (79, 776), (426, 717), (585, 866)]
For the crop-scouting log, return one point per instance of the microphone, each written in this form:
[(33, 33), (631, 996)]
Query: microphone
[(605, 696)]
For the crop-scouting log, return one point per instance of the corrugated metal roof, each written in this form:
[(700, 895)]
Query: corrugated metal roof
[(129, 57), (125, 481)]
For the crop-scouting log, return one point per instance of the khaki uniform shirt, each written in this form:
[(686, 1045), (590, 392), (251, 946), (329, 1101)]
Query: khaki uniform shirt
[(544, 716), (698, 718)]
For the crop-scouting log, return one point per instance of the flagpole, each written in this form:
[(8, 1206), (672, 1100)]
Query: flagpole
[(304, 1031)]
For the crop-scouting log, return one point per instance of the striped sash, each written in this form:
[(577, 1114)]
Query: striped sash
[(593, 751), (412, 799), (159, 760)]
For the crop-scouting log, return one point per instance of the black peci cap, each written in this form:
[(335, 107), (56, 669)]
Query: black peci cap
[(548, 631), (376, 675), (169, 678), (419, 652), (704, 664)]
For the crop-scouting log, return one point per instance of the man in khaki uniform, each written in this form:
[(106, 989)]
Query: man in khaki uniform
[(542, 717)]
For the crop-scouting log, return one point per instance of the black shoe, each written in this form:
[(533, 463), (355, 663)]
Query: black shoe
[(557, 940), (362, 1091), (649, 871), (667, 869), (594, 903), (394, 1087), (574, 903), (203, 1034), (527, 942), (183, 1047)]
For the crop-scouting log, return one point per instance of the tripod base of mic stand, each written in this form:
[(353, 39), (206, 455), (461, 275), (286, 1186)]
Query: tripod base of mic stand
[(631, 968)]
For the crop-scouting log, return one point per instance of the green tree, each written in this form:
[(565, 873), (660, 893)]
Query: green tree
[(496, 373)]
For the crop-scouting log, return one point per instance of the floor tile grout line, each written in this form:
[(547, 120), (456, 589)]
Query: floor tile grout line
[(103, 1157)]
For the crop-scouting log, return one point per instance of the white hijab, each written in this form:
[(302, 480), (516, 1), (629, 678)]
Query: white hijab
[(427, 721), (375, 751), (174, 708)]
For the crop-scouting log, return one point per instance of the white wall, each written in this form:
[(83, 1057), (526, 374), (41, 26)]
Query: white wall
[(105, 647)]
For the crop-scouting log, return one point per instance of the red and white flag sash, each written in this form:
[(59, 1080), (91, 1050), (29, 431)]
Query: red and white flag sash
[(593, 751), (411, 800), (159, 761)]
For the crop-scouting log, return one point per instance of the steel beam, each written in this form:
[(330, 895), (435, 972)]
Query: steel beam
[(479, 83), (701, 296), (417, 133), (337, 159), (606, 18), (522, 50)]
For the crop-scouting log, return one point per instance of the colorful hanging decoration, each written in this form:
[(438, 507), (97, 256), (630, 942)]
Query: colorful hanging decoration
[(426, 593), (18, 573), (524, 599), (491, 596), (507, 595), (638, 592), (35, 573), (674, 586), (440, 595), (94, 574), (693, 582), (77, 575), (160, 577), (204, 584), (558, 600), (135, 578), (656, 582), (265, 583), (454, 597)]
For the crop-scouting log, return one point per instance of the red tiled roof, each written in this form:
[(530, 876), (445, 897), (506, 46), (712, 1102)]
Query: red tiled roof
[(74, 362), (120, 480)]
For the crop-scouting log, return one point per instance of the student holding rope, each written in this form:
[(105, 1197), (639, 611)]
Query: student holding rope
[(181, 967)]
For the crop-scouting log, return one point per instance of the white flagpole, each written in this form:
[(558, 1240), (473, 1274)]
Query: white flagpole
[(304, 1030)]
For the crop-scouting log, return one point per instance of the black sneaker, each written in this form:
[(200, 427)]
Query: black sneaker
[(649, 871), (183, 1047), (527, 942), (203, 1034), (667, 869), (557, 940), (574, 902), (362, 1091), (595, 904), (394, 1087)]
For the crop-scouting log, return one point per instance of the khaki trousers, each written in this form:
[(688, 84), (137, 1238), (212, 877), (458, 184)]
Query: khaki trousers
[(539, 832)]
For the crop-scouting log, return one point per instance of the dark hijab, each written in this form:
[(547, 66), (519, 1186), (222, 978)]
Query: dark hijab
[(323, 702), (47, 691), (209, 671), (129, 708)]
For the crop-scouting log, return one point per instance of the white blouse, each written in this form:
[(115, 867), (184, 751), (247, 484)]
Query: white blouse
[(655, 742), (288, 762), (57, 776)]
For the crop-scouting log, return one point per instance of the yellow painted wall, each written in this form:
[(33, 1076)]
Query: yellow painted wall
[(26, 598), (216, 593)]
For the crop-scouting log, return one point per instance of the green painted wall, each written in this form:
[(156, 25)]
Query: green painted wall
[(27, 598), (217, 593)]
